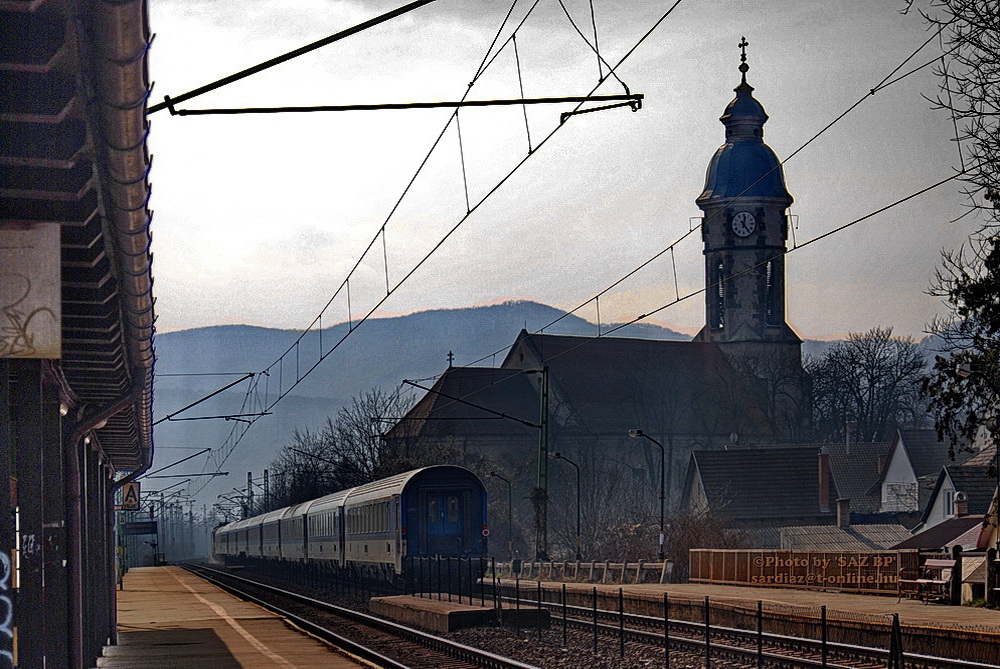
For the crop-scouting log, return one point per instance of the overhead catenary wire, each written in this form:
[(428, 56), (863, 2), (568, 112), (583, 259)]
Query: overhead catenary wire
[(236, 436), (884, 83), (585, 340), (282, 393)]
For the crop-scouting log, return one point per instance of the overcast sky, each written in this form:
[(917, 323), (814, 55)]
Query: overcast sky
[(259, 218)]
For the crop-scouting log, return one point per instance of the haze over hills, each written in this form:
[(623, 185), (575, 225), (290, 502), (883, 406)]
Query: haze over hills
[(381, 353)]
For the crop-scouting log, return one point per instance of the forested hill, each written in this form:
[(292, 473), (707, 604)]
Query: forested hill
[(379, 353)]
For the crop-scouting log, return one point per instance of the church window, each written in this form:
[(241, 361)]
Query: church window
[(772, 293), (719, 320)]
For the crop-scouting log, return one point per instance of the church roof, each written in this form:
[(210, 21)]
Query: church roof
[(622, 383), (744, 166), (453, 405)]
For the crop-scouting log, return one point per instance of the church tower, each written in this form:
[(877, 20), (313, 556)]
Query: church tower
[(744, 230)]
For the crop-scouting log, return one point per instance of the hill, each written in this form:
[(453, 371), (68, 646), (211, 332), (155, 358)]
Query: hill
[(380, 353)]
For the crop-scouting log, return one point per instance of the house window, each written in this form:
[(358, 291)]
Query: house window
[(949, 503)]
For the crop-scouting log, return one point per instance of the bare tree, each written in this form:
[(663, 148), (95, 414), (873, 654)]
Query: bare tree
[(346, 452), (969, 279), (970, 91), (871, 380)]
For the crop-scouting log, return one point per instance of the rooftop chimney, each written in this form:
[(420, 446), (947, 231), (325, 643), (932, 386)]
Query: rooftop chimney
[(843, 513), (961, 504), (881, 464), (824, 480)]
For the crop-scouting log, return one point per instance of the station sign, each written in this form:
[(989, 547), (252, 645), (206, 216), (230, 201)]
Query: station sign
[(130, 496), (140, 527)]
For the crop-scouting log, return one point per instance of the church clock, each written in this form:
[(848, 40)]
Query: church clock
[(744, 224), (745, 229)]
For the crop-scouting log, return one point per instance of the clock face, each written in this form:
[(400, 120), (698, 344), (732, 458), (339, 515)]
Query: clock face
[(744, 223)]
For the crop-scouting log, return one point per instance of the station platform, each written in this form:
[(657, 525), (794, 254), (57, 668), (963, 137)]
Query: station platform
[(168, 618), (911, 612)]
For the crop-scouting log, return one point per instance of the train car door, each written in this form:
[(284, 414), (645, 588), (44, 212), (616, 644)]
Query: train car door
[(443, 513)]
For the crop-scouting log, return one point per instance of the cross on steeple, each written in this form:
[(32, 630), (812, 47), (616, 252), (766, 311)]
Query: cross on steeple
[(743, 57), (451, 359)]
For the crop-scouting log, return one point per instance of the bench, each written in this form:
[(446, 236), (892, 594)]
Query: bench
[(930, 582)]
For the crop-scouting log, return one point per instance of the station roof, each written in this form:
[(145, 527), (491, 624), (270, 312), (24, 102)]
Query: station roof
[(73, 90)]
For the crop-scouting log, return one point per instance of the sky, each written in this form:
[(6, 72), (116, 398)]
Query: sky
[(260, 218)]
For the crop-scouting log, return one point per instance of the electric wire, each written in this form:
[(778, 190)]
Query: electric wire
[(884, 83), (235, 438), (585, 340)]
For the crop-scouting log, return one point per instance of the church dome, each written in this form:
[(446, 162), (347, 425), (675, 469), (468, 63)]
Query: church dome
[(744, 166)]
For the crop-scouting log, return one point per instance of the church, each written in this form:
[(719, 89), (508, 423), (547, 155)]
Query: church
[(557, 398)]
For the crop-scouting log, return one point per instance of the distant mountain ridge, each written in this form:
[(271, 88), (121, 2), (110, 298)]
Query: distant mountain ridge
[(380, 353)]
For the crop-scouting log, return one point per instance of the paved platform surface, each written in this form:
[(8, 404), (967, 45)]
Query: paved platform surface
[(169, 618), (911, 612)]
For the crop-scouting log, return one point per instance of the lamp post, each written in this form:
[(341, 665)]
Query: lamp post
[(559, 456), (542, 486), (635, 434), (510, 515), (964, 370)]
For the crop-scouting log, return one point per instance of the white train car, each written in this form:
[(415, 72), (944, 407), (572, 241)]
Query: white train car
[(270, 533), (427, 512), (325, 529), (293, 532)]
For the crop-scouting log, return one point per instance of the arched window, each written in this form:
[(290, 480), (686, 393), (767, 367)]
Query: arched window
[(719, 292)]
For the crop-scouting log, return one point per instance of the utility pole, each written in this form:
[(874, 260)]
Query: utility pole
[(542, 486), (249, 494), (267, 492)]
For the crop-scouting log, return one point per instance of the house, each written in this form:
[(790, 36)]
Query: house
[(959, 490), (856, 467), (913, 463), (832, 538), (763, 487)]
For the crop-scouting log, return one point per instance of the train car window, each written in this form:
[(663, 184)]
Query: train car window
[(432, 510), (452, 508)]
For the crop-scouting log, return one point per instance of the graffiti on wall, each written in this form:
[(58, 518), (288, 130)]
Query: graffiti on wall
[(6, 613)]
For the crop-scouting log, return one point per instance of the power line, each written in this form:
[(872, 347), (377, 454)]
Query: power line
[(884, 83), (169, 102), (588, 340), (235, 436)]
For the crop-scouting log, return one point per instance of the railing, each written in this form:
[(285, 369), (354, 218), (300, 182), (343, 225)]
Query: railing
[(587, 572)]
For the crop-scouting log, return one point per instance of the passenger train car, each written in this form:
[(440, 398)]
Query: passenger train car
[(433, 511)]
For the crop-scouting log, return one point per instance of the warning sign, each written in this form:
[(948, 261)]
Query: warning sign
[(130, 497)]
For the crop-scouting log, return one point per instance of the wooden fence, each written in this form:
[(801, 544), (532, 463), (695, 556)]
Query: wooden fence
[(874, 571)]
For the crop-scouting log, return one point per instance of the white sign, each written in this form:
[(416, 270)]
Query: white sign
[(30, 293)]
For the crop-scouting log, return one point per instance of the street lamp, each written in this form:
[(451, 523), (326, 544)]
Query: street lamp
[(635, 434), (510, 515), (964, 370), (559, 456)]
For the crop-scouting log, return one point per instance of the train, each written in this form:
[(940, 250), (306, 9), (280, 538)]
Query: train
[(372, 529)]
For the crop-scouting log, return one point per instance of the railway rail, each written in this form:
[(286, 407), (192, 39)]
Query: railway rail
[(731, 646), (676, 641), (382, 642)]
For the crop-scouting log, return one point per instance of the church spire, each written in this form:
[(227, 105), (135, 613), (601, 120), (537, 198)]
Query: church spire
[(743, 61)]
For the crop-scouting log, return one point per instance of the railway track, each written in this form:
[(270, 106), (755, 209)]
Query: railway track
[(725, 646), (395, 645), (384, 643)]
